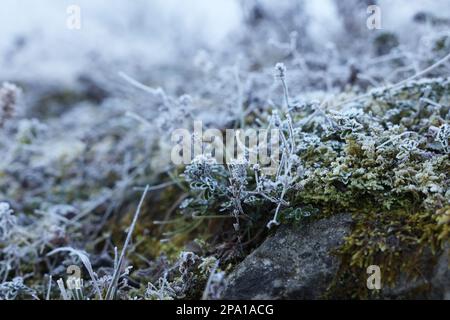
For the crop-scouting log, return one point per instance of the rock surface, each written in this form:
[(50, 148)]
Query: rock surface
[(440, 280), (295, 263), (433, 284)]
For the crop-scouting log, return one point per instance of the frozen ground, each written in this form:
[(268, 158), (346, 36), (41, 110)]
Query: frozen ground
[(80, 139)]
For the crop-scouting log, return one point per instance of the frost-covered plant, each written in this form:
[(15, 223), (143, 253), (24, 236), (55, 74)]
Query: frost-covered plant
[(217, 281), (163, 290), (187, 274), (8, 222), (9, 99), (23, 240), (203, 174), (12, 290), (443, 136)]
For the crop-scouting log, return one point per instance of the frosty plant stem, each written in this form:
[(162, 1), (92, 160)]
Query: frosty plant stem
[(274, 221), (286, 93), (280, 73), (401, 83), (396, 138), (239, 97), (284, 169), (112, 289), (87, 264)]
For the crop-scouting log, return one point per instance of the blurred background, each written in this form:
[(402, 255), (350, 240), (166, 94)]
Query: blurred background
[(35, 41), (118, 35)]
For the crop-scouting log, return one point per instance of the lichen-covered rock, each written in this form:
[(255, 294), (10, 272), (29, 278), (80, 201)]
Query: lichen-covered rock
[(295, 263), (298, 262), (433, 282), (441, 277)]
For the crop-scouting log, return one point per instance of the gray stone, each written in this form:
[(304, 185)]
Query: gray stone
[(441, 276), (294, 263), (434, 282)]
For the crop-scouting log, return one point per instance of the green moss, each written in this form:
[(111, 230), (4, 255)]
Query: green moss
[(400, 204), (401, 242)]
